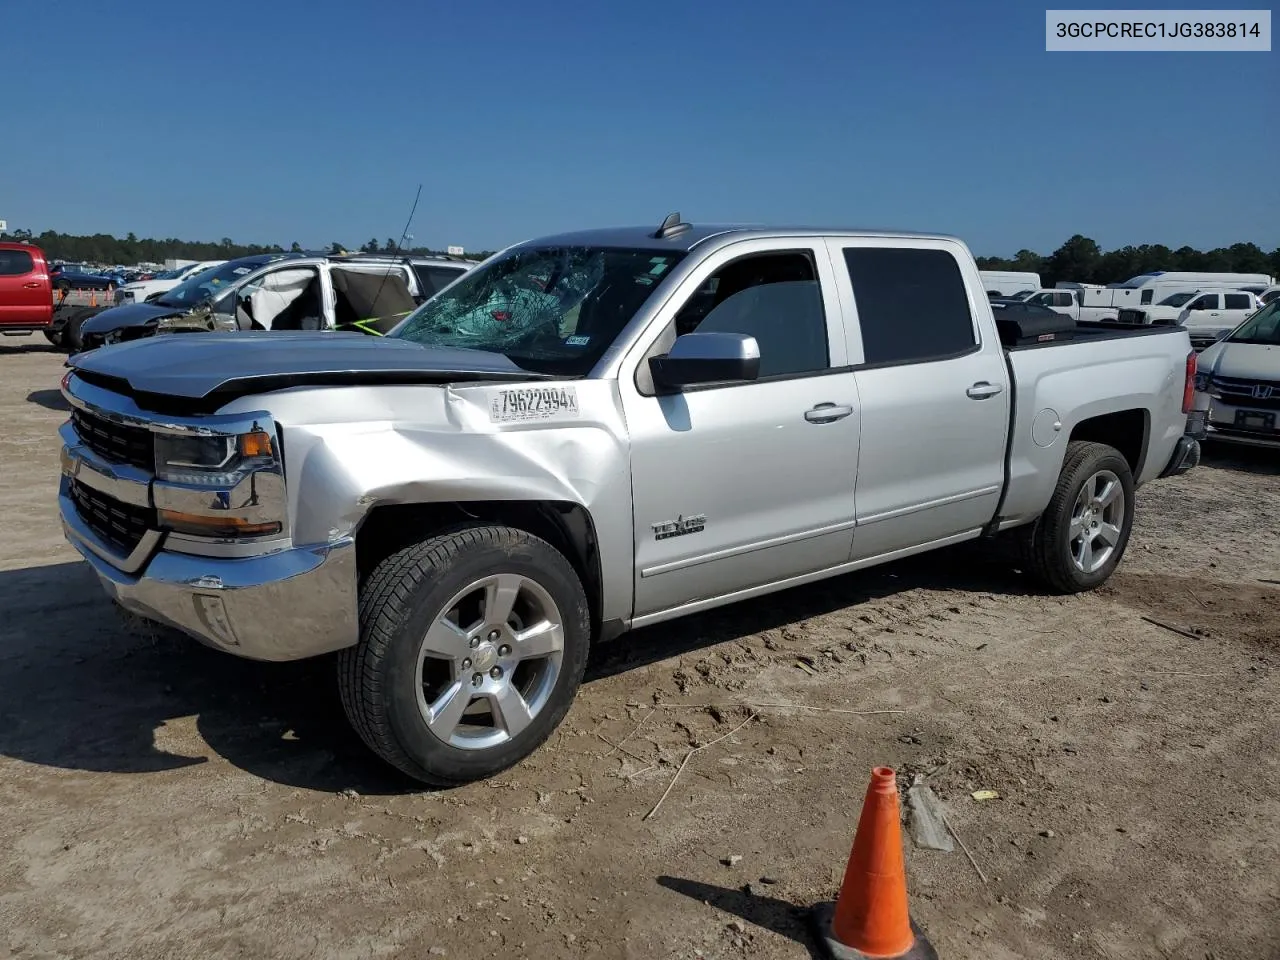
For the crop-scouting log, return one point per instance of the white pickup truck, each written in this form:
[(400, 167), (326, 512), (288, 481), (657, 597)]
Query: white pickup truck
[(1090, 304), (593, 432), (1208, 315)]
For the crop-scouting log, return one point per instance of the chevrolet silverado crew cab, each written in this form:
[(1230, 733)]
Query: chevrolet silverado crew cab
[(594, 432)]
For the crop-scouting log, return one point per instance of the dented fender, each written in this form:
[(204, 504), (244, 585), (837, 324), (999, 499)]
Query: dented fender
[(348, 450)]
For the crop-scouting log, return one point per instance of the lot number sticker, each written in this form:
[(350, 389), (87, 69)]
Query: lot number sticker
[(534, 403)]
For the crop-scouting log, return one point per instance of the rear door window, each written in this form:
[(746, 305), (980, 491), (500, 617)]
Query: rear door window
[(15, 263), (912, 304), (1238, 301), (434, 279)]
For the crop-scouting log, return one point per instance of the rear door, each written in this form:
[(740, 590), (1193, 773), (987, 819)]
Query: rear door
[(933, 392), (1236, 308), (25, 296)]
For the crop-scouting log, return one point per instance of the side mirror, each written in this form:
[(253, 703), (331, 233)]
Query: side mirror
[(697, 358)]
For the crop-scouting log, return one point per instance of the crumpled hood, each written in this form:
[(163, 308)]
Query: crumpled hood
[(128, 315), (198, 365), (1248, 361)]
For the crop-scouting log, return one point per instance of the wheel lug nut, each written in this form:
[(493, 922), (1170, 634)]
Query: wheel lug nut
[(466, 664), (504, 651), (493, 636), (496, 673), (477, 679), (475, 642)]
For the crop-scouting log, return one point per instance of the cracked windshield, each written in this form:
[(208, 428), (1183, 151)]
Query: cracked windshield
[(555, 310)]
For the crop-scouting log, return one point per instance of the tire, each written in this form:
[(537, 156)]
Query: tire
[(71, 338), (54, 338), (1050, 552), (390, 693)]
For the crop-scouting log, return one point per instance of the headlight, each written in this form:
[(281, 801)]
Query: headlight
[(212, 461), (225, 486)]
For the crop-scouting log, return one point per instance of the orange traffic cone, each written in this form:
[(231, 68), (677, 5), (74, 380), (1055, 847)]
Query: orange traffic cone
[(869, 918)]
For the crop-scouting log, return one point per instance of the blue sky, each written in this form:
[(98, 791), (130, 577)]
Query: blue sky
[(314, 120)]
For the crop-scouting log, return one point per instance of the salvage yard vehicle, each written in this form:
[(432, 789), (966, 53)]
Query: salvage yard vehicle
[(594, 432), (1207, 315), (139, 291), (26, 295), (76, 276), (282, 292), (1238, 383)]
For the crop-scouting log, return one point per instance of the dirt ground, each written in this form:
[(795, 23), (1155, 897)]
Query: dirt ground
[(163, 800)]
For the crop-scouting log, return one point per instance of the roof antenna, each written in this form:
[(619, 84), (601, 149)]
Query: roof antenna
[(395, 247), (673, 226)]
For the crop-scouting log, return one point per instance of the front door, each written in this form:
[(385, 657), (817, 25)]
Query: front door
[(934, 393), (25, 298), (740, 485)]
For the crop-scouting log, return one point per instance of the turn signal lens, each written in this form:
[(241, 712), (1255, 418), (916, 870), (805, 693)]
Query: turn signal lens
[(256, 444), (206, 526)]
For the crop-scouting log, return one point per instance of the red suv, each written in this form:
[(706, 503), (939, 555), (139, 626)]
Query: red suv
[(26, 296)]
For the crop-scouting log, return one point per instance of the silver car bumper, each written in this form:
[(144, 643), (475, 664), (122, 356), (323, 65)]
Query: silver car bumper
[(288, 605), (1219, 424)]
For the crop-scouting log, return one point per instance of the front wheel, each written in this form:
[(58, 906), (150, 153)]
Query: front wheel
[(472, 647), (1076, 544)]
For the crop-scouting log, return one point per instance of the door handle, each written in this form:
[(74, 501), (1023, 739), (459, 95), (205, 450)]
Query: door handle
[(981, 390), (31, 286), (827, 413)]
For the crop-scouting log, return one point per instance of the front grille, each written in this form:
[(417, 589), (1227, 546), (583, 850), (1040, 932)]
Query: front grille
[(115, 441), (1239, 392), (1132, 316), (119, 524)]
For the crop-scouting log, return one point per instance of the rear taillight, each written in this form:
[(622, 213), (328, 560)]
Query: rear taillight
[(1189, 388)]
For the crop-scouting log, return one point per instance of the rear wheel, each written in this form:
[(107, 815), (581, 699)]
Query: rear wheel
[(1076, 544), (472, 647), (71, 338)]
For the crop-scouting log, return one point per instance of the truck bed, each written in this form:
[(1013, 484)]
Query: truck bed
[(1095, 331)]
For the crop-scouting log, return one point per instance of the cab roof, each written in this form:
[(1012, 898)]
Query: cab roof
[(686, 236)]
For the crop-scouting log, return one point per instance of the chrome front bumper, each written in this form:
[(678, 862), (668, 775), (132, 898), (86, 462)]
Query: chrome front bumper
[(263, 600), (288, 605)]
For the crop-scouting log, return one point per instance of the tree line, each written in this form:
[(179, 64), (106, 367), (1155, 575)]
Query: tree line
[(1082, 260), (1079, 259), (106, 249)]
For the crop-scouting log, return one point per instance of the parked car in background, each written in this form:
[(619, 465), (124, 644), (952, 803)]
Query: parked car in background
[(26, 296), (1004, 283), (132, 320), (1238, 383), (74, 276), (1268, 294), (1207, 315), (594, 432), (281, 292), (140, 291), (1092, 304)]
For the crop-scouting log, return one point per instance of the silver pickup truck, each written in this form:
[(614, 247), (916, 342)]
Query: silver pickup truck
[(595, 432)]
